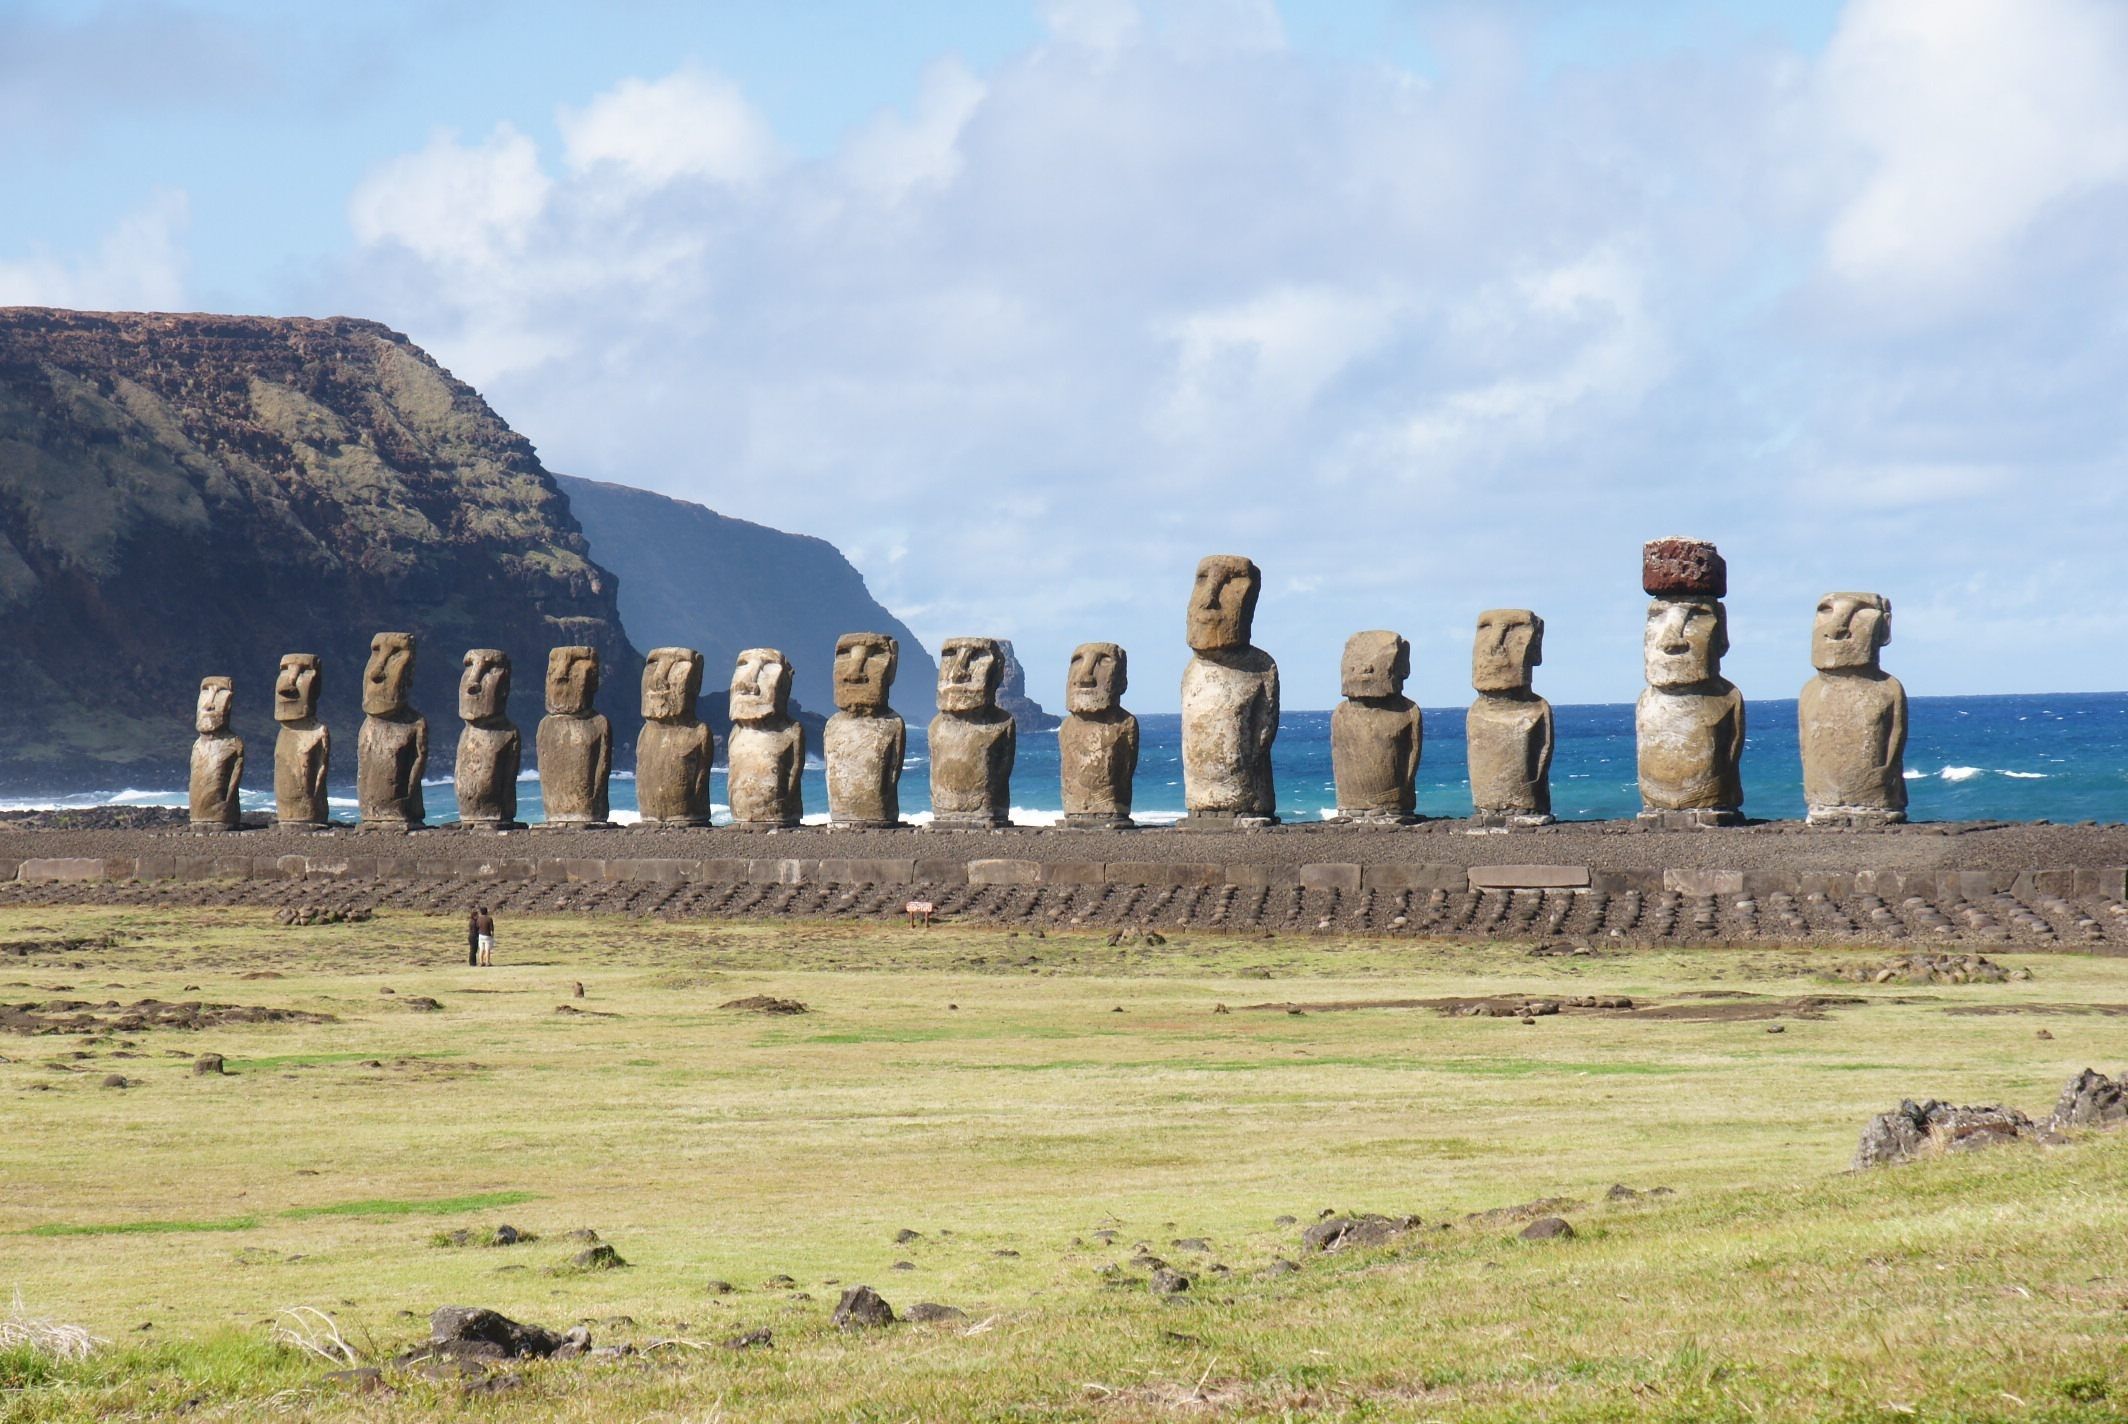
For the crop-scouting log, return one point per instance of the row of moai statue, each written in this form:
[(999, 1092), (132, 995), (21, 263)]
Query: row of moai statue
[(1689, 724)]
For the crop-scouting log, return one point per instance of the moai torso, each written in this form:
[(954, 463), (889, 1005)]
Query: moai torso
[(1376, 735), (1851, 717), (1097, 746), (674, 751), (302, 748), (217, 761), (1508, 730), (766, 755), (1691, 748), (1690, 720), (392, 753), (1229, 699), (973, 742), (575, 743), (865, 741), (490, 750)]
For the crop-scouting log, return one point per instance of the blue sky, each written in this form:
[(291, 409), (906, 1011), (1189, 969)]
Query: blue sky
[(1428, 308)]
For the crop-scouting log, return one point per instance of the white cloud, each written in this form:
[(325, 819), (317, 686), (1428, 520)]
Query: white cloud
[(687, 125), (453, 205), (895, 154), (139, 264)]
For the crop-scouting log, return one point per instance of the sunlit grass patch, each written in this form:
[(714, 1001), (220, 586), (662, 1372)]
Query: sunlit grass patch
[(434, 1206)]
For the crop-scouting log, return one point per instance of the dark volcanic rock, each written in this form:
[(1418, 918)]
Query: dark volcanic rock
[(2091, 1099), (1340, 1233), (1547, 1228), (862, 1307), (1012, 695), (1914, 1129), (926, 1312), (1168, 1282), (474, 1332), (195, 494)]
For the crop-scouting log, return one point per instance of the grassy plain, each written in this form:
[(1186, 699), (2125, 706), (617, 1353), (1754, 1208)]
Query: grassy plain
[(1007, 1097)]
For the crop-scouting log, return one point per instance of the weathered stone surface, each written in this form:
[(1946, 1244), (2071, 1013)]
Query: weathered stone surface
[(767, 751), (1097, 746), (1229, 699), (217, 760), (490, 748), (1915, 1129), (1690, 719), (973, 740), (302, 747), (1851, 717), (1376, 734), (674, 750), (575, 742), (1528, 877), (1508, 730), (392, 753), (474, 1332), (865, 740), (862, 1308), (1683, 568), (1345, 1233), (2091, 1099)]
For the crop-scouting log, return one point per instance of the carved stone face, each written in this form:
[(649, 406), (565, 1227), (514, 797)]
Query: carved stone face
[(672, 681), (1223, 602), (388, 681), (969, 671), (1509, 646), (1684, 641), (865, 664), (484, 686), (295, 688), (1850, 628), (212, 714), (1100, 673), (572, 680), (1375, 664), (760, 685)]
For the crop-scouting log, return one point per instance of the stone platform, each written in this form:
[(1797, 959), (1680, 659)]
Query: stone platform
[(1987, 883)]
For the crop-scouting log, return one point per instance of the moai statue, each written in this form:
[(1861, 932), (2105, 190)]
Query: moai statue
[(1229, 703), (1690, 720), (490, 748), (1852, 716), (973, 740), (865, 739), (392, 754), (1098, 744), (1509, 729), (217, 760), (302, 749), (767, 751), (673, 753), (1376, 733), (575, 743)]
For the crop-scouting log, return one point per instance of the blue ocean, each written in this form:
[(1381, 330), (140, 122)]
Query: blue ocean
[(2061, 758)]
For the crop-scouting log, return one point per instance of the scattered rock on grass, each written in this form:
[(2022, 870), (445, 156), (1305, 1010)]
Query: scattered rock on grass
[(861, 1307), (303, 915), (926, 1312), (209, 1065), (2091, 1100), (470, 1332), (116, 1080), (761, 1339), (904, 1236), (720, 1287), (1914, 1130), (1168, 1282), (421, 1004), (1548, 1228), (765, 1004), (1340, 1233), (596, 1258)]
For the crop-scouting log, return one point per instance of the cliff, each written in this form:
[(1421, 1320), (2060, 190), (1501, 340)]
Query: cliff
[(183, 495), (1028, 714), (693, 578)]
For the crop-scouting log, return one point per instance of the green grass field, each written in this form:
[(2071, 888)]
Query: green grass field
[(1008, 1097)]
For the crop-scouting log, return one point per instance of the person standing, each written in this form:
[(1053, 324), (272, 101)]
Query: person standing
[(485, 941), (472, 936)]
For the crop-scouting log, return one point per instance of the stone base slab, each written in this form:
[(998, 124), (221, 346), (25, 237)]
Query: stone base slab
[(1698, 819), (1099, 821)]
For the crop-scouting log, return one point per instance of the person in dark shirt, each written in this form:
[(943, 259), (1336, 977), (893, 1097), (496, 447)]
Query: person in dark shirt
[(484, 938), (472, 936)]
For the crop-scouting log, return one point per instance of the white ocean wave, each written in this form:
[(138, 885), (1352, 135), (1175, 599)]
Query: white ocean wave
[(1959, 773), (1913, 775), (2024, 775)]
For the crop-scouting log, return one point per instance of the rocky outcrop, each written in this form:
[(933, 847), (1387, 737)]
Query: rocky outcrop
[(1911, 1130), (185, 495), (1028, 714)]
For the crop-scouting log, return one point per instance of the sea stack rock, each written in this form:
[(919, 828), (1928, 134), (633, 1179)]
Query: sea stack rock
[(217, 760), (1097, 746), (1509, 728), (1852, 716), (1376, 734), (302, 747), (575, 744), (1229, 702), (675, 747), (1690, 719), (490, 748), (865, 739), (392, 754), (767, 751), (973, 740)]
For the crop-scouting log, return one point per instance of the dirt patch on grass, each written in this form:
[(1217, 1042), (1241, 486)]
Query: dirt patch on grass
[(765, 1004), (2111, 1011), (82, 1016), (1715, 1006)]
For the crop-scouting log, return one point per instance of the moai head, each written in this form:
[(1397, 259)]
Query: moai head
[(211, 716), (1099, 676), (1684, 641), (484, 686), (295, 688), (1850, 628), (865, 664), (572, 680), (1375, 664), (1223, 602), (672, 681), (1509, 646), (388, 681), (760, 685), (969, 672)]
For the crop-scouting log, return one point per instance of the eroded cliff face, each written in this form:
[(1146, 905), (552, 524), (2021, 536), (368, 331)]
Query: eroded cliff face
[(187, 495)]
